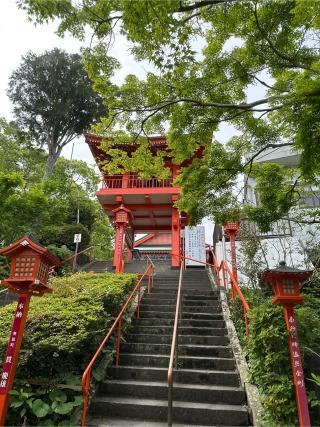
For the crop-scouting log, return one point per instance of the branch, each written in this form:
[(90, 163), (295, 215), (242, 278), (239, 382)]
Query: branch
[(196, 103), (274, 49), (203, 3)]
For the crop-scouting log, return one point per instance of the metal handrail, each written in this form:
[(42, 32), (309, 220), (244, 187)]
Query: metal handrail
[(235, 288), (152, 273), (118, 321), (174, 347)]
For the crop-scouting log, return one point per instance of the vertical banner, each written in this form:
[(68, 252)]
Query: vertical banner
[(297, 370), (195, 245)]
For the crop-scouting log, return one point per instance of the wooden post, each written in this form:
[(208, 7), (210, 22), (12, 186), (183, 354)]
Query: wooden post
[(297, 370), (12, 354), (118, 248)]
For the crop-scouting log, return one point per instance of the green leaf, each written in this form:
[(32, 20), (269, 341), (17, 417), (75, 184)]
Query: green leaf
[(78, 400), (40, 408), (23, 412), (58, 395), (63, 408), (16, 404)]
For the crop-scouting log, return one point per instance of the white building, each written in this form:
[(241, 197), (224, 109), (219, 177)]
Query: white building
[(288, 240)]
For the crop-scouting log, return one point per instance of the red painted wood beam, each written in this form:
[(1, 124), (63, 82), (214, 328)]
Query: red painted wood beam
[(142, 207), (137, 216), (145, 228)]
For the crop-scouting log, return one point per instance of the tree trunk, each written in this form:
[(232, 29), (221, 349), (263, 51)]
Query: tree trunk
[(53, 155)]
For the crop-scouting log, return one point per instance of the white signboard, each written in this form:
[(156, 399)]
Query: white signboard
[(195, 245), (77, 238)]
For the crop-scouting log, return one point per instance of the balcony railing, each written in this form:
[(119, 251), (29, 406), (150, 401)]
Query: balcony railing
[(134, 182)]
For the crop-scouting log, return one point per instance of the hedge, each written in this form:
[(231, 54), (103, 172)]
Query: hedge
[(62, 333)]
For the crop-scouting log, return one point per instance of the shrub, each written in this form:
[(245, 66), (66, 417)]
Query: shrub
[(65, 328)]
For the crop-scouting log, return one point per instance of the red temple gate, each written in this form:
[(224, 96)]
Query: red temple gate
[(137, 206)]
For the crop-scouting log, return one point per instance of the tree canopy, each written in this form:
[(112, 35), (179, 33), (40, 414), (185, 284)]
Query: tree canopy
[(48, 208), (254, 64), (53, 100)]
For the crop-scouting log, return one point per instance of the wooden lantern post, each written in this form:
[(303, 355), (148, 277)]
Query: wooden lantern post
[(30, 264), (286, 283), (121, 219), (231, 230)]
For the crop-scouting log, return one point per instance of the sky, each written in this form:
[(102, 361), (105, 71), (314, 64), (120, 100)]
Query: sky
[(18, 36)]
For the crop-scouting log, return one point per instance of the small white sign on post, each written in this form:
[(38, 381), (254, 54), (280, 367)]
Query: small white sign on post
[(77, 238)]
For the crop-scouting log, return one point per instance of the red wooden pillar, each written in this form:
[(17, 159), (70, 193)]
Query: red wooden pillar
[(175, 238)]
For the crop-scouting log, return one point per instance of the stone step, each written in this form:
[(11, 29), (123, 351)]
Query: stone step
[(200, 302), (199, 297), (186, 392), (144, 314), (192, 376), (184, 362), (186, 292), (187, 339), (184, 349), (188, 412), (197, 323), (185, 316), (185, 308), (173, 297), (127, 422), (183, 330)]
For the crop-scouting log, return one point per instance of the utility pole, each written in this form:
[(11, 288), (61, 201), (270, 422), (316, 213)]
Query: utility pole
[(74, 264)]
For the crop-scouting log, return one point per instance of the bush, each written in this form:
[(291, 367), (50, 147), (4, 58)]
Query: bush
[(65, 328)]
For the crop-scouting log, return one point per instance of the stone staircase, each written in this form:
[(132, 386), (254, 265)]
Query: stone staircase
[(206, 389)]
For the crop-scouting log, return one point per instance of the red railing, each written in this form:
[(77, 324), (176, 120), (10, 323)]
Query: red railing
[(118, 321), (235, 289), (132, 181)]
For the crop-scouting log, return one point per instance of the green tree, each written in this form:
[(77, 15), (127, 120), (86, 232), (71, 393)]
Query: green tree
[(53, 100), (47, 208), (258, 70)]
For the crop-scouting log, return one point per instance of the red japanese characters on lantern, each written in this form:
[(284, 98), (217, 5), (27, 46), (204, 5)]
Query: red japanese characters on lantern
[(30, 265)]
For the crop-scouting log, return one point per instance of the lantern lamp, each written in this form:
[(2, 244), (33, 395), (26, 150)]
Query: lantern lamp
[(121, 214), (30, 265), (231, 228), (286, 284)]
